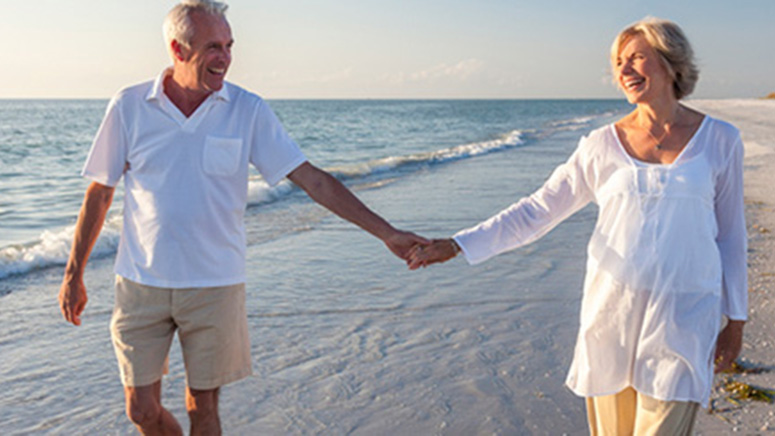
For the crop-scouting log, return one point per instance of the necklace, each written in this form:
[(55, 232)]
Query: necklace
[(658, 142), (659, 145)]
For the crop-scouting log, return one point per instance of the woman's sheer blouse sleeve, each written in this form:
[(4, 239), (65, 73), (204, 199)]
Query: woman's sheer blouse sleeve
[(732, 239), (566, 191)]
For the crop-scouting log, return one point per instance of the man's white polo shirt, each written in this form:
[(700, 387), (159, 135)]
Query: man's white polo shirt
[(186, 180)]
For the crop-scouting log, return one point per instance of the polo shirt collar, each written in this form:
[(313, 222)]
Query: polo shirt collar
[(157, 90)]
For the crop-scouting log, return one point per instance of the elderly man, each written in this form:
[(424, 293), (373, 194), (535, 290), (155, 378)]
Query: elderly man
[(183, 144)]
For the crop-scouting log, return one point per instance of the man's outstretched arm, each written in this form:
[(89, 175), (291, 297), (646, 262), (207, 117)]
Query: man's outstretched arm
[(330, 193), (72, 293)]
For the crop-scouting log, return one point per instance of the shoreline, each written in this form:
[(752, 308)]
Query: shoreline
[(756, 120)]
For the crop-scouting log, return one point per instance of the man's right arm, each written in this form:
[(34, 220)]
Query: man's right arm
[(72, 294)]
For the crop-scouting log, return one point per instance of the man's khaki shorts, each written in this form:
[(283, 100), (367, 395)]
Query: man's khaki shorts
[(211, 324)]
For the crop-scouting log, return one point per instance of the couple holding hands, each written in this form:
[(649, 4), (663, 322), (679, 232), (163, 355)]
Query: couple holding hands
[(666, 263)]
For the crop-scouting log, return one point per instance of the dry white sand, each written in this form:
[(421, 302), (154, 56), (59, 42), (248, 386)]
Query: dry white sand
[(756, 121)]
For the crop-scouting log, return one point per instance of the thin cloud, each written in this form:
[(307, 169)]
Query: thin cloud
[(277, 77), (460, 71), (334, 77)]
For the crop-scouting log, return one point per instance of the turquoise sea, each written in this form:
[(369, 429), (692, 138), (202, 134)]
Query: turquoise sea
[(345, 340)]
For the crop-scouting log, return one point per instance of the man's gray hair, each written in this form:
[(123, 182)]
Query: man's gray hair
[(178, 26)]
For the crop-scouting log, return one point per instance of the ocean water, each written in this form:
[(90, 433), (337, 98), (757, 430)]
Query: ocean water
[(345, 340)]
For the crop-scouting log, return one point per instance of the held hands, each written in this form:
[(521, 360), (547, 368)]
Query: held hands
[(728, 345), (400, 243), (72, 300), (438, 251)]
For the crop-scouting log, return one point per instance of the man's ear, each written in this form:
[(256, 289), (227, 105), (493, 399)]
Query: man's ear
[(177, 50)]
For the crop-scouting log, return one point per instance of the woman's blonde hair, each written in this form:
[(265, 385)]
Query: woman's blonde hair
[(673, 47)]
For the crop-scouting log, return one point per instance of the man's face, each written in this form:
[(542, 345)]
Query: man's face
[(208, 58)]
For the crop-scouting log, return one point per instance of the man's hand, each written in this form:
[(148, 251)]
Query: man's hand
[(728, 345), (438, 251), (72, 300), (401, 242)]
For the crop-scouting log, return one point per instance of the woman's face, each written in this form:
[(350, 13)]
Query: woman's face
[(640, 73)]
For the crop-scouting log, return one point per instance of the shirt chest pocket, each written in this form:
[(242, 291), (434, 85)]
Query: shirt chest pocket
[(221, 155)]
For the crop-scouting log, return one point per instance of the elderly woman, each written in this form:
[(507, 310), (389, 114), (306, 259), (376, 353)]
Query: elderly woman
[(668, 254)]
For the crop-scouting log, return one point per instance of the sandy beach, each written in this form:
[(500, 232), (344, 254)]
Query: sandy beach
[(756, 121)]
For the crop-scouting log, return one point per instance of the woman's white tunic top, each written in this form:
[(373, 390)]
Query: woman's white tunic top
[(667, 258)]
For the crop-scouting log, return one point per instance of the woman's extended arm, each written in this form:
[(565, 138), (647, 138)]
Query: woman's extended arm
[(566, 191)]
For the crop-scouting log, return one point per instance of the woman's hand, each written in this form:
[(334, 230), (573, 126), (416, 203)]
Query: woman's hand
[(728, 345), (401, 243), (439, 250)]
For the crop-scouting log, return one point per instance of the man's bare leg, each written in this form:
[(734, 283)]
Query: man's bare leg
[(144, 409), (202, 409)]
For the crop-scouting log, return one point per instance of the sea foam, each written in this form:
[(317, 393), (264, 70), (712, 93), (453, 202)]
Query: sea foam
[(53, 247), (576, 123), (259, 192)]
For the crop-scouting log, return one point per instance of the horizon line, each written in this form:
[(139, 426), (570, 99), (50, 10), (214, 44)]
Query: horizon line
[(387, 98)]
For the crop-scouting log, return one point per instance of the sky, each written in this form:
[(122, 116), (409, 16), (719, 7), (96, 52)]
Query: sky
[(383, 48)]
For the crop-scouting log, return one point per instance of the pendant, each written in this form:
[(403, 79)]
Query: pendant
[(659, 146)]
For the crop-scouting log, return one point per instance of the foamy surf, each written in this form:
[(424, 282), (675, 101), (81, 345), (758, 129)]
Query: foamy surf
[(53, 247), (577, 123), (259, 192)]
